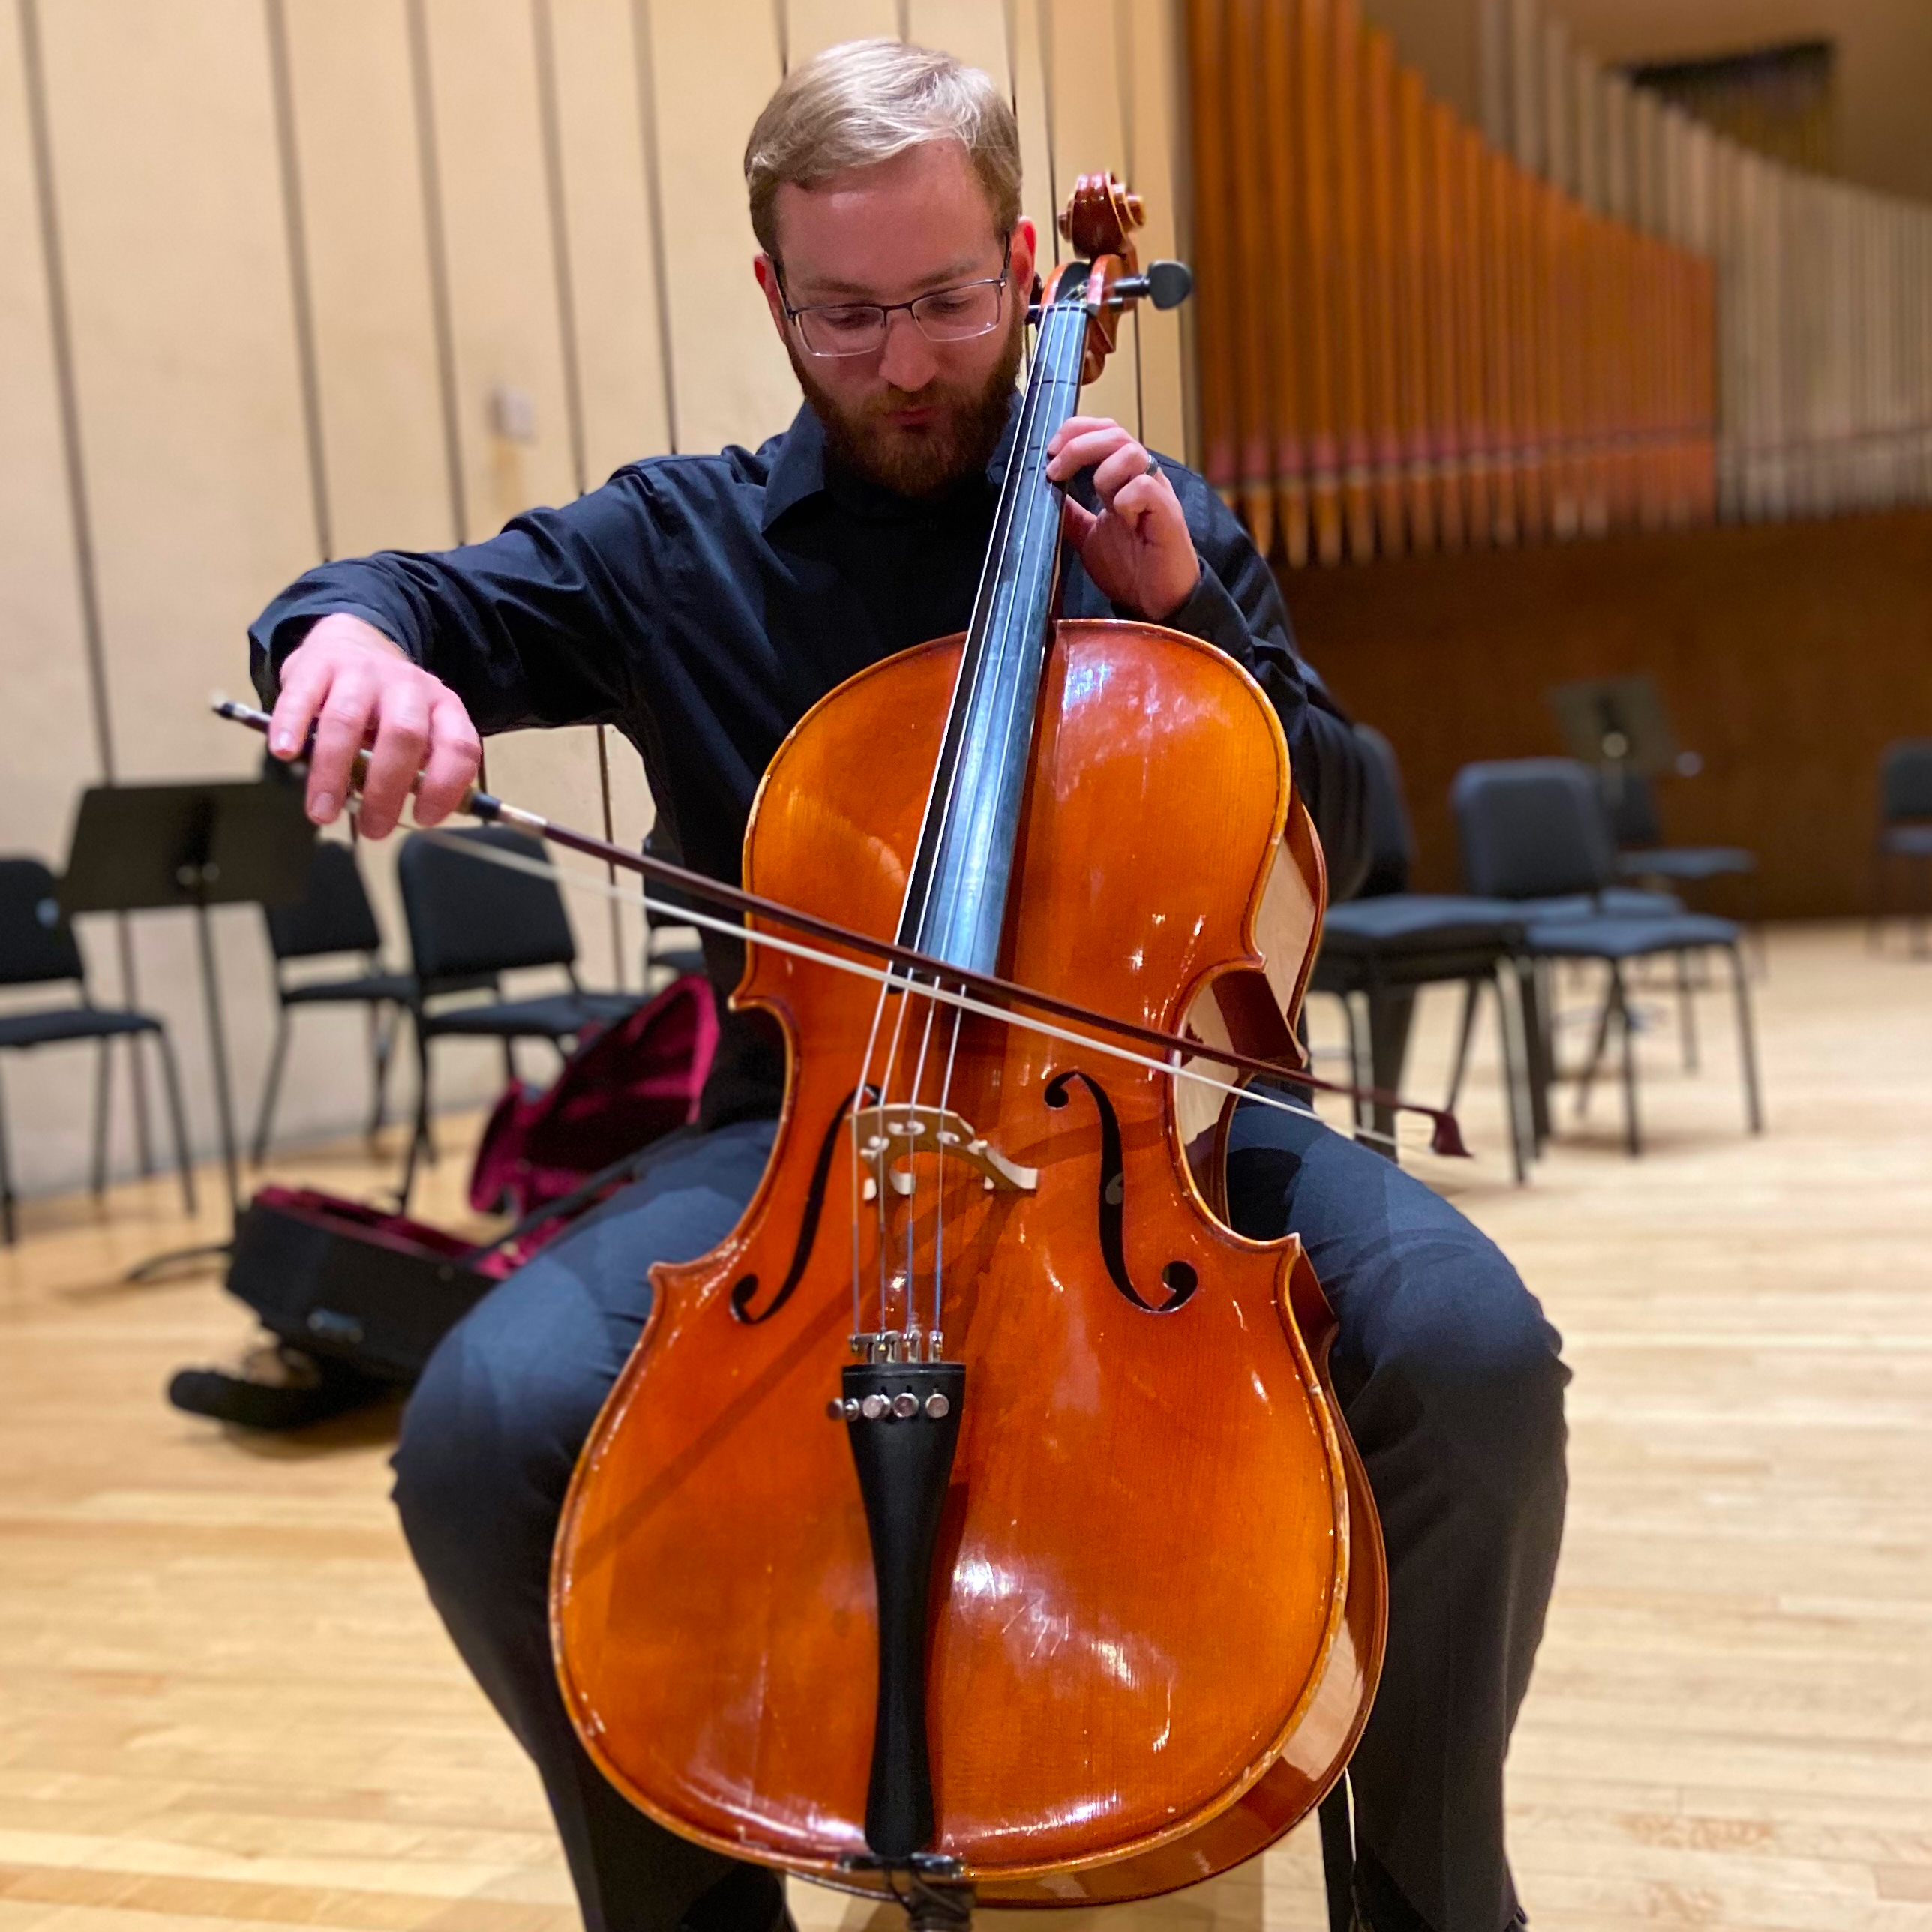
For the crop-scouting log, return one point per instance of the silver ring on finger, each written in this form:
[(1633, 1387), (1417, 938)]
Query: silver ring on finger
[(1152, 466)]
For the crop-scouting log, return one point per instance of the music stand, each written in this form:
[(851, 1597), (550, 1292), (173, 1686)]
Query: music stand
[(1618, 724), (145, 848)]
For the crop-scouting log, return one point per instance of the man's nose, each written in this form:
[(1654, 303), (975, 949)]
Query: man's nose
[(907, 361)]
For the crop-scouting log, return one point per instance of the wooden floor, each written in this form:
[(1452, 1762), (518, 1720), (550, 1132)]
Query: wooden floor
[(223, 1700)]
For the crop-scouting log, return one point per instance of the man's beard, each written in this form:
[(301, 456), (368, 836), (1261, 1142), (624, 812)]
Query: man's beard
[(961, 439)]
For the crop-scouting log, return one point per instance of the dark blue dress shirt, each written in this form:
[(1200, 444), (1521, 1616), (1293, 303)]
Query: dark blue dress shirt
[(702, 604)]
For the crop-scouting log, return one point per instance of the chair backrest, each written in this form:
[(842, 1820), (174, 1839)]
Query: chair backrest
[(1531, 828), (1391, 838), (1905, 780), (333, 915), (36, 943), (466, 916), (1632, 807)]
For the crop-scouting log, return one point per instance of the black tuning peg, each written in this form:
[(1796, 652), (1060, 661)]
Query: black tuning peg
[(1165, 284)]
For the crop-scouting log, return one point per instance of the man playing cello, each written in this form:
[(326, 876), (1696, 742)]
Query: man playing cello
[(701, 605)]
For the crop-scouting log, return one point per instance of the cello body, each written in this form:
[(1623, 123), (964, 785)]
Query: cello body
[(1157, 1590)]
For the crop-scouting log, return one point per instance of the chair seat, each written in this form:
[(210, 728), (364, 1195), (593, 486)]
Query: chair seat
[(549, 1016), (49, 1024), (399, 987), (1613, 902), (1690, 863), (1909, 841), (1616, 938), (1419, 920)]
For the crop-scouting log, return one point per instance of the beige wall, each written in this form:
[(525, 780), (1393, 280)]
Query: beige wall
[(270, 359)]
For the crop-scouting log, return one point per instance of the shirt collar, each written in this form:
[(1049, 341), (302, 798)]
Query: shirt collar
[(798, 471)]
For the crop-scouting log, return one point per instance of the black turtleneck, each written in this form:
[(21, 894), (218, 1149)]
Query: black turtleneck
[(702, 604)]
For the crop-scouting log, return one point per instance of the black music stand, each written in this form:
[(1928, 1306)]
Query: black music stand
[(144, 848), (1619, 725)]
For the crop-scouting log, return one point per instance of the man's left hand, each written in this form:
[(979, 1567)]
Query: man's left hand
[(1138, 550)]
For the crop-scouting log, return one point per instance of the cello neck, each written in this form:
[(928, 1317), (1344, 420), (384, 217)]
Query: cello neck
[(955, 903)]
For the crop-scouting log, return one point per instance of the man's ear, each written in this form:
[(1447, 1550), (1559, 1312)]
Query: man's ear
[(1026, 243), (767, 271)]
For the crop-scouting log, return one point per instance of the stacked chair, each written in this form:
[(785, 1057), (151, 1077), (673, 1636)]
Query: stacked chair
[(1534, 832)]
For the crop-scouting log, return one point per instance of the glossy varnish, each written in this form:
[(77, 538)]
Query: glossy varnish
[(1143, 1586)]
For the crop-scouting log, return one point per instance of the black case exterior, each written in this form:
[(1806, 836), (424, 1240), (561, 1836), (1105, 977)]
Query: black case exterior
[(362, 1289)]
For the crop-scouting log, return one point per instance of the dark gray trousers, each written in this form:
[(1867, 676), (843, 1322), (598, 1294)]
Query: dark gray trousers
[(1448, 1372)]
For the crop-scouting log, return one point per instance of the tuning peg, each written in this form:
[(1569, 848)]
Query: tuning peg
[(1165, 284)]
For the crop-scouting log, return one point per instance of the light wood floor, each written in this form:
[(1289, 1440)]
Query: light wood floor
[(224, 1701)]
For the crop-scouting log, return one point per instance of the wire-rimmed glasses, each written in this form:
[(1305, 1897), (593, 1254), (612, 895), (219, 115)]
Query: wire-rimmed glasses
[(955, 314)]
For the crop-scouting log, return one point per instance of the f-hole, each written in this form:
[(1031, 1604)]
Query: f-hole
[(1180, 1278), (746, 1286)]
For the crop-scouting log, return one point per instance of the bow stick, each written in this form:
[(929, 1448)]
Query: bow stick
[(1445, 1136)]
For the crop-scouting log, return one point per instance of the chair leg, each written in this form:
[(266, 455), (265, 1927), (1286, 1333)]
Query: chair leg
[(420, 1135), (1536, 1059), (1747, 1047), (1464, 1033), (171, 1083), (1633, 1143), (1687, 1013), (1587, 1079), (103, 1094), (9, 1233), (272, 1088), (382, 1027), (1509, 1031)]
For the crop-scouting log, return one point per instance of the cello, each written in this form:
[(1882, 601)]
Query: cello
[(976, 1521)]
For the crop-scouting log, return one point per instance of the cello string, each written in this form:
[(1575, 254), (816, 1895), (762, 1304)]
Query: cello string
[(912, 1198), (885, 1173), (963, 1002), (939, 1210), (860, 1090)]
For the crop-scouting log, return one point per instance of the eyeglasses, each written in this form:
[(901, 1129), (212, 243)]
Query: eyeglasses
[(955, 314)]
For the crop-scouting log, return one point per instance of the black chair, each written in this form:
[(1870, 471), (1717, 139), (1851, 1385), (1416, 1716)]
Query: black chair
[(471, 919), (1381, 947), (1905, 833), (1535, 830), (333, 917), (1641, 851), (37, 948)]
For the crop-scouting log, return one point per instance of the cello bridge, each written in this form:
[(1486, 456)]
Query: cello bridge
[(892, 1132)]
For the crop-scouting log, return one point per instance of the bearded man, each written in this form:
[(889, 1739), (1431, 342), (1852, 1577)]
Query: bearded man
[(701, 605)]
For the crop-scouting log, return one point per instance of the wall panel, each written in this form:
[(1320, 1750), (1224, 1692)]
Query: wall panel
[(733, 382), (502, 268), (165, 162), (50, 745), (1787, 655), (46, 678), (607, 218), (356, 133), (813, 26), (169, 201), (972, 31)]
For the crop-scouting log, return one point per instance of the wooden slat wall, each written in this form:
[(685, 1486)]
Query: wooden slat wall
[(304, 244), (1410, 339)]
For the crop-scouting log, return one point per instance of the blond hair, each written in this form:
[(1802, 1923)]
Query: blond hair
[(856, 105)]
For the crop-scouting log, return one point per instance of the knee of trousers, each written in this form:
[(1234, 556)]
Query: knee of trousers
[(488, 1441), (1462, 1363)]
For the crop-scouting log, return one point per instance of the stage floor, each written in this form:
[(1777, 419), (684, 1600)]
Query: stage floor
[(224, 1701)]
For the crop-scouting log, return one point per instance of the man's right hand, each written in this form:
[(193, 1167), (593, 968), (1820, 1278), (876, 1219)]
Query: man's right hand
[(358, 688)]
